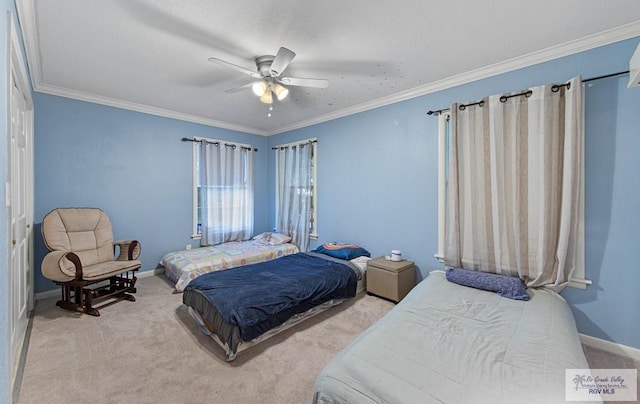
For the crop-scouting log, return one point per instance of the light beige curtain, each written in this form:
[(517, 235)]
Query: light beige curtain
[(514, 184), (293, 192), (225, 192)]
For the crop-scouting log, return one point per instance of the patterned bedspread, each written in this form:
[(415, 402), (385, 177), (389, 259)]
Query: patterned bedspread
[(182, 267)]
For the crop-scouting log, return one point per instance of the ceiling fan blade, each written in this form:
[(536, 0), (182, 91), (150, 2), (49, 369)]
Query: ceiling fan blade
[(235, 67), (301, 82), (239, 88), (282, 60)]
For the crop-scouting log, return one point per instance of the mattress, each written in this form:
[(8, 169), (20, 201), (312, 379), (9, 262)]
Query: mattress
[(182, 267), (446, 343), (248, 305)]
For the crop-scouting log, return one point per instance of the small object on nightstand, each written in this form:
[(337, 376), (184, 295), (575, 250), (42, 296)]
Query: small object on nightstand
[(390, 279), (396, 255)]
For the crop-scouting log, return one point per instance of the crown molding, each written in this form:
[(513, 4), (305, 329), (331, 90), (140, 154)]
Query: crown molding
[(27, 20), (568, 48), (27, 13), (147, 109), (27, 17)]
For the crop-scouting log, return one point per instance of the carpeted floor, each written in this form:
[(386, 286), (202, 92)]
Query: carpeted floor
[(151, 351), (605, 360)]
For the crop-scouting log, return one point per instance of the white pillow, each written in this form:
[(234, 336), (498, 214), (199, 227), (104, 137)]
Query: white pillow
[(272, 238), (361, 262)]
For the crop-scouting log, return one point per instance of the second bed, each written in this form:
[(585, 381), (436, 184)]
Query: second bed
[(242, 306), (182, 267)]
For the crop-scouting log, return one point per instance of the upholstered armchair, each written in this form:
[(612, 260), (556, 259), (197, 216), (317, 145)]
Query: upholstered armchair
[(83, 260)]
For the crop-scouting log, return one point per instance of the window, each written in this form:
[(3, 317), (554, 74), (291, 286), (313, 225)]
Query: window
[(227, 192), (296, 191)]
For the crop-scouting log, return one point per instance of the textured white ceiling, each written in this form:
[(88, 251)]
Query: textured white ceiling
[(151, 55)]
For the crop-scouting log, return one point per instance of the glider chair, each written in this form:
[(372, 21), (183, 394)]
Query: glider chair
[(83, 261)]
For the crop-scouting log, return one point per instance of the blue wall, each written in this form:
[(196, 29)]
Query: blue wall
[(377, 181), (377, 177), (131, 165)]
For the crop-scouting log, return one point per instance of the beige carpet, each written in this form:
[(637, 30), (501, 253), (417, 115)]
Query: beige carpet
[(151, 351), (605, 360)]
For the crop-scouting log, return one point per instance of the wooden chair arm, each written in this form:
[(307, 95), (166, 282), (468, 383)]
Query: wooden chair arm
[(76, 261), (61, 266), (129, 249)]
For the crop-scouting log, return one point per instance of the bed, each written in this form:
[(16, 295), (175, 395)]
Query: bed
[(181, 267), (243, 306), (447, 343)]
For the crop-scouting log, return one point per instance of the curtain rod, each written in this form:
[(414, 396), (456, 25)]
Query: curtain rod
[(299, 144), (186, 139), (528, 93)]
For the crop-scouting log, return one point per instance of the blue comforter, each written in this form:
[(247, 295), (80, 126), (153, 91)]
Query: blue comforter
[(261, 296)]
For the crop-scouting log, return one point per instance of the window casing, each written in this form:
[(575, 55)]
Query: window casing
[(443, 153)]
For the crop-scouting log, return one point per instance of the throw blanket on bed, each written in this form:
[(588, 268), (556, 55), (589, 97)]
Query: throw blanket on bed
[(261, 296), (183, 266)]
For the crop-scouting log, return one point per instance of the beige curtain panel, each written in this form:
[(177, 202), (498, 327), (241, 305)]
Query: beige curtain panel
[(225, 193), (293, 193), (514, 185)]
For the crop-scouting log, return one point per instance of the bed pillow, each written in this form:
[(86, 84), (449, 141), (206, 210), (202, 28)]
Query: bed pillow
[(272, 238), (342, 250), (361, 262), (506, 286)]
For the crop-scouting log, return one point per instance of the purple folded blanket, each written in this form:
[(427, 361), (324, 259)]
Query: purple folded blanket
[(506, 286)]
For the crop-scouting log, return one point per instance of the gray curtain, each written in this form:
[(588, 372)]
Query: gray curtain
[(514, 185), (225, 193), (293, 193)]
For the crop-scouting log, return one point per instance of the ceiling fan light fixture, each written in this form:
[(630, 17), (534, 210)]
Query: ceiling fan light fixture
[(268, 76), (259, 87), (281, 92), (267, 97)]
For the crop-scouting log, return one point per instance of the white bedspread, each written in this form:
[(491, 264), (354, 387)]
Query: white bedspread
[(446, 343)]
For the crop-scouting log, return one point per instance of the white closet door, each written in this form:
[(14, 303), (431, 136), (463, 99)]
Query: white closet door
[(19, 200)]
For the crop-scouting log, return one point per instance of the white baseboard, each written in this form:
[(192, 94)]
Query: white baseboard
[(149, 273), (47, 294), (56, 292), (612, 347)]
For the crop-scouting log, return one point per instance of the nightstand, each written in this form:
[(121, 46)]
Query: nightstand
[(390, 279)]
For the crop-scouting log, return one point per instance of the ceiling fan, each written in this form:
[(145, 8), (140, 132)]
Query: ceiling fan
[(269, 74)]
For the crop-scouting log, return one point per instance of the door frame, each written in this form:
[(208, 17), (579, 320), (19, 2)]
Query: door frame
[(16, 67)]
